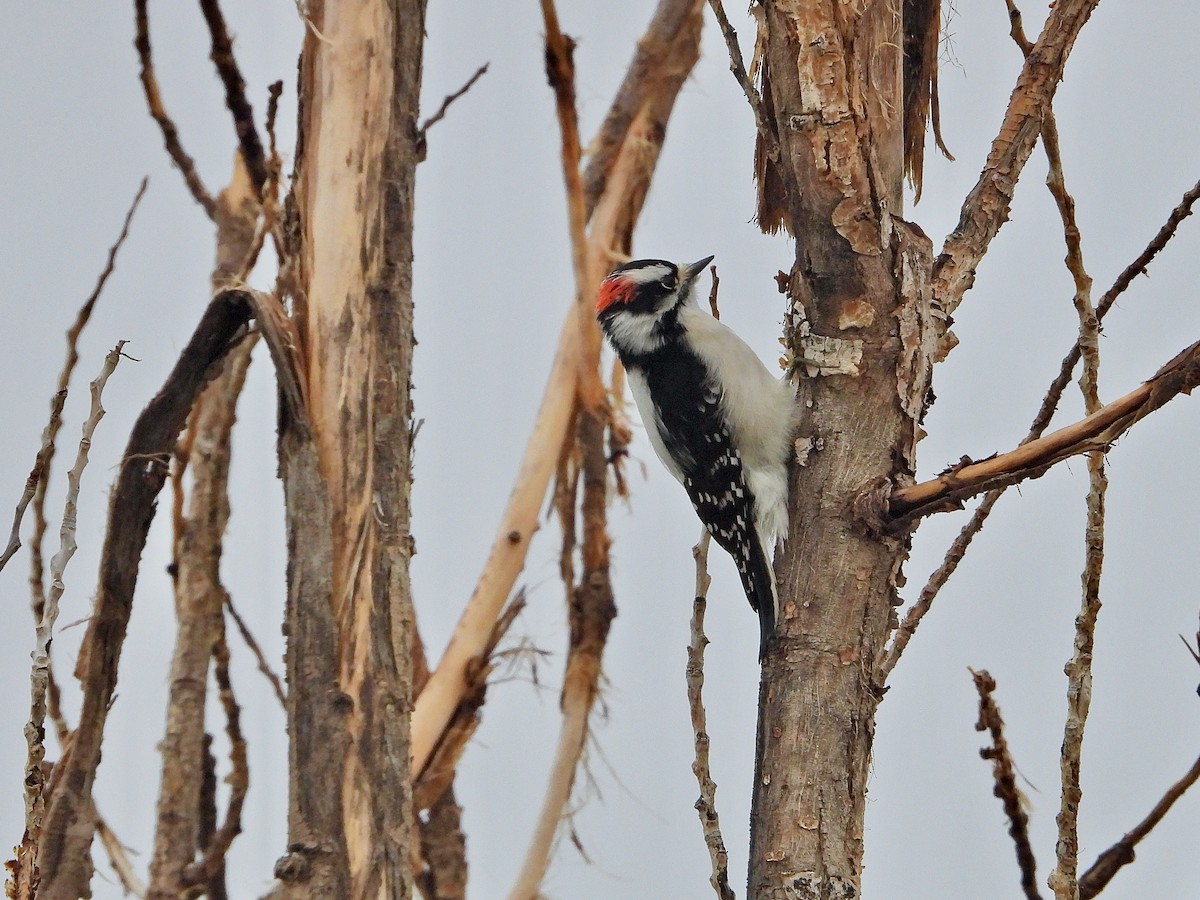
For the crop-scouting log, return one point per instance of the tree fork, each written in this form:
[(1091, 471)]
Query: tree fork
[(861, 326)]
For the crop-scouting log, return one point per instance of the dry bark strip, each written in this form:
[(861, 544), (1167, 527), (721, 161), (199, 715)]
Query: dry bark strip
[(68, 832)]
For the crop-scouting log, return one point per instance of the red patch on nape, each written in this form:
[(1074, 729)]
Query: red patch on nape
[(613, 289)]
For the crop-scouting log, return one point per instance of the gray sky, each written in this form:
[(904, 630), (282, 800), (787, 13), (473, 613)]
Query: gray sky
[(493, 278)]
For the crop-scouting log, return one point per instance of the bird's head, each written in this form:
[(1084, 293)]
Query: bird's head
[(647, 287)]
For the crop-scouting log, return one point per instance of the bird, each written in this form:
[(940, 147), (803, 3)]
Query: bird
[(717, 418)]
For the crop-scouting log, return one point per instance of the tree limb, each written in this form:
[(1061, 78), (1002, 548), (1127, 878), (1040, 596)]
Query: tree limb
[(986, 206), (613, 218), (1031, 460)]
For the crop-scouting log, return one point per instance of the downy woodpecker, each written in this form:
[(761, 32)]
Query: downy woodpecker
[(720, 422)]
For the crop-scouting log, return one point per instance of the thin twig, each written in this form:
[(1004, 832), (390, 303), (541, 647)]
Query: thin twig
[(36, 477), (235, 94), (712, 294), (158, 112), (1121, 854), (35, 730), (1004, 775), (766, 129), (706, 806), (122, 865), (1064, 879), (64, 382), (449, 99), (260, 658)]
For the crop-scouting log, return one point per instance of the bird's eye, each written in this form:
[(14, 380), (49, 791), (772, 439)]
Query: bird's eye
[(668, 282)]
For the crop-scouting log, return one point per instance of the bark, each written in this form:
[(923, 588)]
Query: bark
[(861, 327), (345, 454)]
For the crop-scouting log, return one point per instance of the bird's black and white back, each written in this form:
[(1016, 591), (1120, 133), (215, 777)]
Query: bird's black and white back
[(715, 416)]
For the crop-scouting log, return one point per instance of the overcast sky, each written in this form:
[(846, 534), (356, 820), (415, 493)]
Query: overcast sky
[(492, 281)]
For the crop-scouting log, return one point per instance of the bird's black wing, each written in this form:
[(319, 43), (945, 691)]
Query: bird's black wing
[(697, 437)]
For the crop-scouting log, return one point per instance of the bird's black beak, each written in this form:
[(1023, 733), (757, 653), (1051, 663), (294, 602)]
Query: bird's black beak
[(687, 274)]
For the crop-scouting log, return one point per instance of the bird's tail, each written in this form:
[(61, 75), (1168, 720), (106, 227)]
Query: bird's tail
[(758, 580)]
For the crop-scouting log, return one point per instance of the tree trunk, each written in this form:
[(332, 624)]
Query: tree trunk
[(861, 335), (345, 456)]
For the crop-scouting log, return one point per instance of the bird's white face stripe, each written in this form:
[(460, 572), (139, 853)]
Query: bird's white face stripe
[(646, 274)]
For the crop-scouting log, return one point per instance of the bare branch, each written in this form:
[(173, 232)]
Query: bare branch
[(592, 610), (1041, 421), (131, 510), (762, 121), (263, 665), (712, 294), (663, 58), (986, 206), (1004, 774), (1121, 854), (449, 99), (1064, 879), (444, 847), (158, 112), (235, 94), (1033, 459), (706, 806), (29, 859), (213, 859), (438, 774)]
